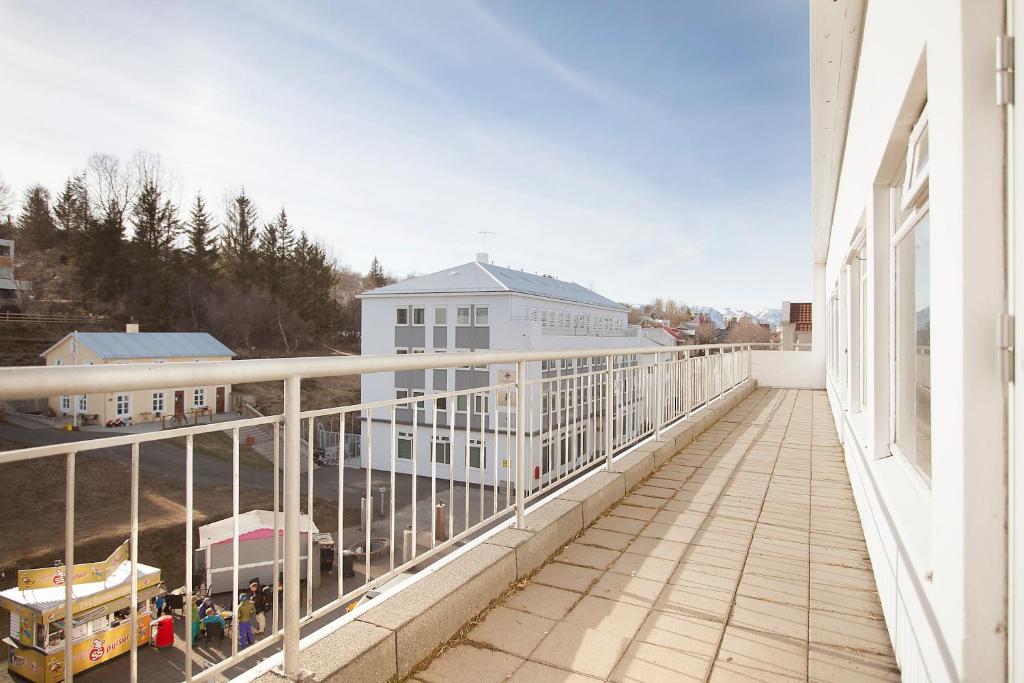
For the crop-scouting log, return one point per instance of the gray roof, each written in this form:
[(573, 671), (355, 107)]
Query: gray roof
[(153, 344), (486, 277)]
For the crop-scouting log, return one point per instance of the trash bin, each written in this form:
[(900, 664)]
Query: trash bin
[(347, 569), (164, 631)]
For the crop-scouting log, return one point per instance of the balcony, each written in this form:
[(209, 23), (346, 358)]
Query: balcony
[(668, 518)]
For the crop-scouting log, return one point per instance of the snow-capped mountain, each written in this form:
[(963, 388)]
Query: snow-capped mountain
[(772, 316)]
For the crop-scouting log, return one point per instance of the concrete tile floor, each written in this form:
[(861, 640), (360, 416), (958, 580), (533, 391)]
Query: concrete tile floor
[(742, 559)]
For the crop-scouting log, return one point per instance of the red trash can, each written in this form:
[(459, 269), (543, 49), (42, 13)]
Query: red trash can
[(164, 631)]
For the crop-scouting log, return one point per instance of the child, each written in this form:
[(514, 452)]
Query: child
[(244, 617)]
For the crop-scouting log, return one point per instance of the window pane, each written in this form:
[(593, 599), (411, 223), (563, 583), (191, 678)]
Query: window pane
[(405, 447), (481, 315), (441, 315), (402, 316), (913, 347), (418, 316), (475, 455), (462, 315)]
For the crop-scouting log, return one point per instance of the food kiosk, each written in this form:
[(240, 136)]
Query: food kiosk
[(101, 628)]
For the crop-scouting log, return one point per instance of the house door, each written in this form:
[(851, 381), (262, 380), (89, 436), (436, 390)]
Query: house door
[(220, 399), (179, 402)]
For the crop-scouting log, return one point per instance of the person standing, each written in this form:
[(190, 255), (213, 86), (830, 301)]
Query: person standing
[(244, 619), (259, 605)]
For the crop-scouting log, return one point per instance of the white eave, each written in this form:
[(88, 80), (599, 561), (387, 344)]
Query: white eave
[(836, 29)]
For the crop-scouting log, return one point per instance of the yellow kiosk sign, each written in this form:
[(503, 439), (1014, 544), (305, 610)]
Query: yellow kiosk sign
[(35, 666), (50, 577)]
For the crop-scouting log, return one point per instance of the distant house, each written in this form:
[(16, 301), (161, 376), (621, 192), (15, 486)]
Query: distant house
[(132, 346), (11, 290), (795, 326)]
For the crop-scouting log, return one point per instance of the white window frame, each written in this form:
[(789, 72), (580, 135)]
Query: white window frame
[(406, 437), (486, 310), (441, 316), (158, 396), (65, 403), (420, 313), (199, 397), (83, 403), (458, 316), (482, 459), (913, 207), (400, 313), (441, 441), (122, 404)]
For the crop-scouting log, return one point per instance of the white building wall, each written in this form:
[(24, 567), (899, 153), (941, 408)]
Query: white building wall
[(510, 329), (938, 550)]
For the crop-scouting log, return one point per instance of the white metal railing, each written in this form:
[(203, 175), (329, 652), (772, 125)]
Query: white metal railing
[(543, 418)]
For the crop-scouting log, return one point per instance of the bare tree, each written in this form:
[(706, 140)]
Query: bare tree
[(112, 186), (748, 330), (705, 332), (6, 199)]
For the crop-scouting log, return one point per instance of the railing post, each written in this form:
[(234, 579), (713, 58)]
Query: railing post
[(721, 371), (658, 396), (520, 445), (609, 439), (292, 576)]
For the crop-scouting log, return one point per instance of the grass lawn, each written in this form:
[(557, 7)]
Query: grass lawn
[(218, 445)]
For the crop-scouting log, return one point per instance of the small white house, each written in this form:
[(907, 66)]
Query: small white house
[(215, 555)]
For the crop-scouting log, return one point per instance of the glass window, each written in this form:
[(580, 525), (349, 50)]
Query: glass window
[(442, 451), (158, 401), (122, 404), (461, 403), (199, 398), (402, 394), (402, 315), (83, 403), (481, 316), (442, 403), (404, 451), (65, 403), (418, 316), (477, 454), (913, 346), (440, 315), (462, 315)]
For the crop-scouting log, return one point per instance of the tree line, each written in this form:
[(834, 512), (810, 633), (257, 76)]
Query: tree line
[(114, 241)]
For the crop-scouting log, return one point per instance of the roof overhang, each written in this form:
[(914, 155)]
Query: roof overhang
[(836, 30)]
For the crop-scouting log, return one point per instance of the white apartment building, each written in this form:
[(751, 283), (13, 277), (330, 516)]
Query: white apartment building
[(917, 272), (478, 306)]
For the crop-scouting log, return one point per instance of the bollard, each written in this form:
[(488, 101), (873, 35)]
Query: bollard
[(407, 544), (440, 522)]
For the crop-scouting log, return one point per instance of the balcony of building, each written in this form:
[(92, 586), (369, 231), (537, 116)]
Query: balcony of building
[(684, 515)]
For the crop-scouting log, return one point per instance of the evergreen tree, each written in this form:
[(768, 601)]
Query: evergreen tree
[(239, 245), (99, 259), (276, 244), (36, 228), (202, 243), (376, 275), (155, 221), (72, 207)]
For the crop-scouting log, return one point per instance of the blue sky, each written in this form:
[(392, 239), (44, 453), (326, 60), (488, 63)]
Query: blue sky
[(641, 148)]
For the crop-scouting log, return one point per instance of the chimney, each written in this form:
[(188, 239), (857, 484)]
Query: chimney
[(483, 257), (132, 328)]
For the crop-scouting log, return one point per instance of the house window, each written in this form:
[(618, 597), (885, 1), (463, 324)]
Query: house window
[(477, 454), (65, 403), (440, 315), (419, 405), (199, 397), (442, 452), (418, 316), (462, 316), (401, 394), (461, 403), (401, 352), (83, 403), (402, 315), (404, 451), (482, 315), (480, 404), (122, 404), (442, 403), (912, 309), (158, 401)]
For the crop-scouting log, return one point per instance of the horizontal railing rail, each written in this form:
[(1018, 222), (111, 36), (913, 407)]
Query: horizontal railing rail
[(472, 458)]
